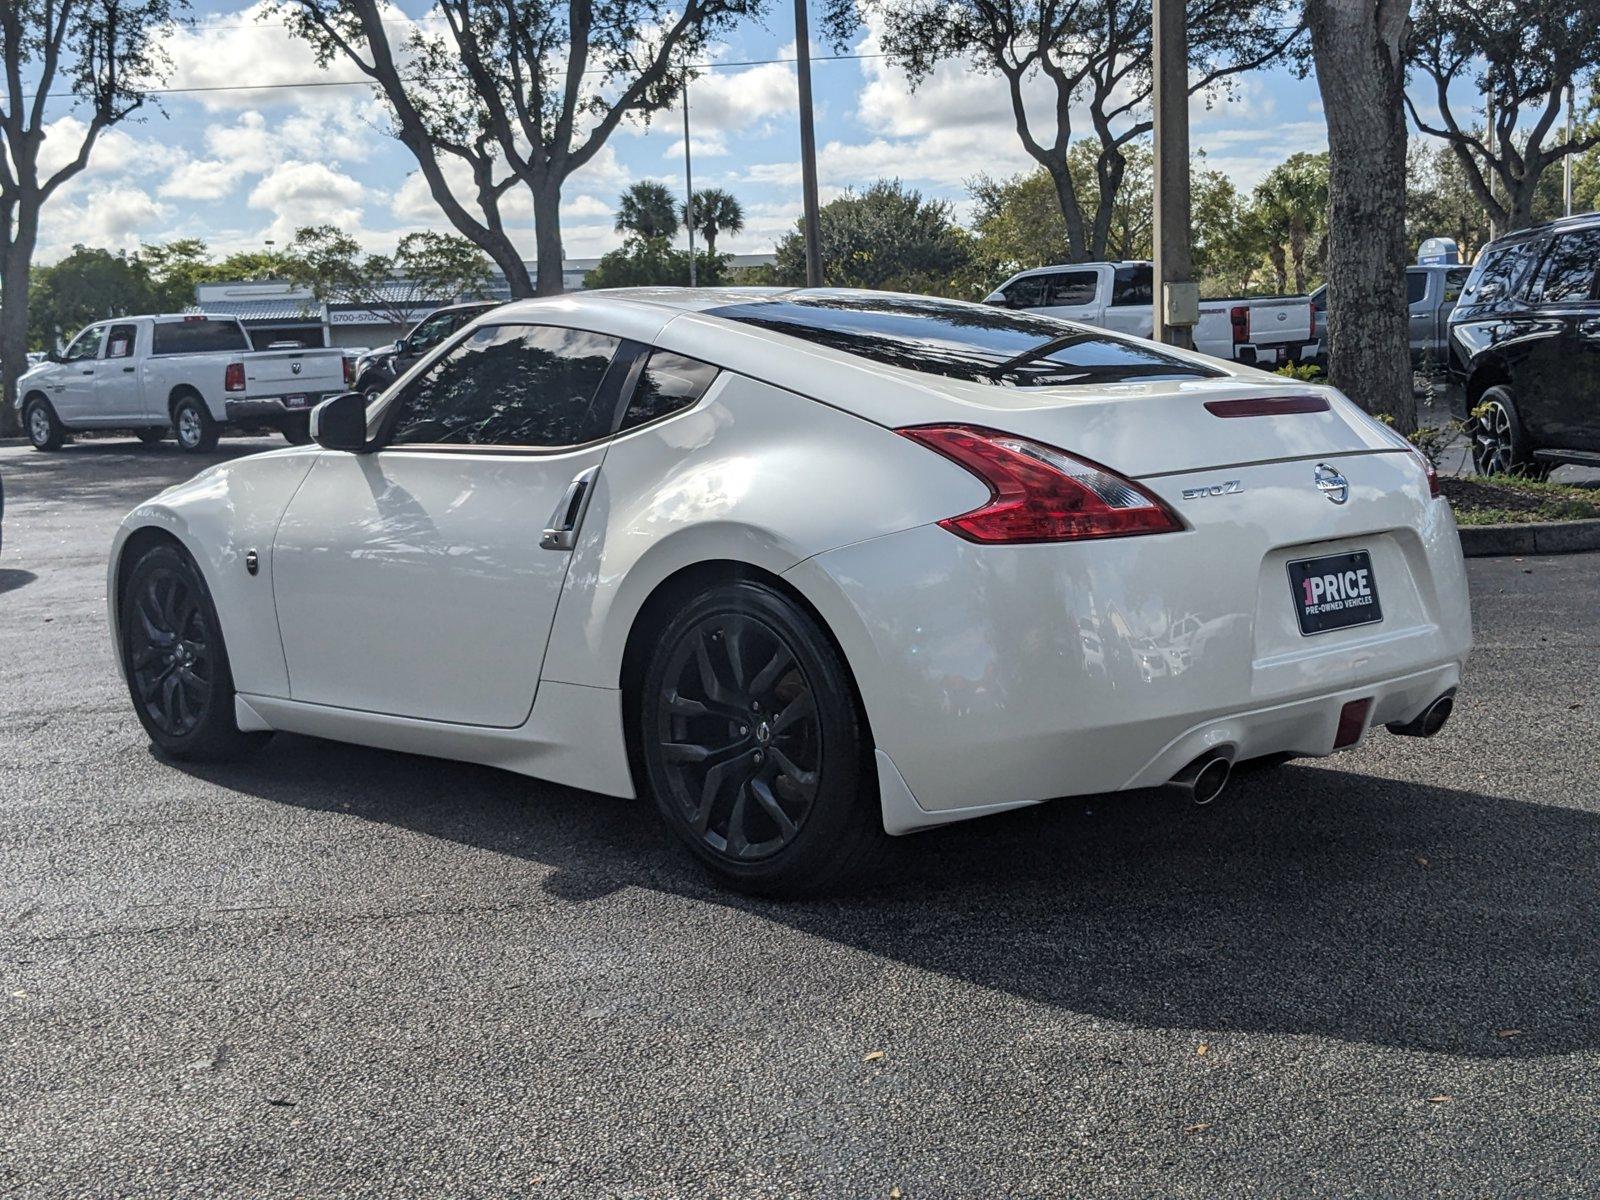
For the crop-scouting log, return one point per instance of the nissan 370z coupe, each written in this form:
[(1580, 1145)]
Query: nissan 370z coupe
[(806, 568)]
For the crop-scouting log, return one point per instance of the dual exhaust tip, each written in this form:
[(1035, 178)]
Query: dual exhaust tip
[(1203, 780)]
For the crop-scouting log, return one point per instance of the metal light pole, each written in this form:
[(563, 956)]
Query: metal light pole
[(1176, 296), (808, 147), (1566, 159), (688, 180)]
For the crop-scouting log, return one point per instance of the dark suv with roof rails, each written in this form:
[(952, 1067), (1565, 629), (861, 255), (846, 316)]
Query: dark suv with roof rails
[(377, 369), (1525, 343)]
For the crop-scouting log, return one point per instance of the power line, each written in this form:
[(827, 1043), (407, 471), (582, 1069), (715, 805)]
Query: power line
[(335, 83)]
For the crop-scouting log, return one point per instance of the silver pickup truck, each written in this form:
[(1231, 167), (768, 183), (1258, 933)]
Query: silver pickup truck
[(188, 373), (1431, 294)]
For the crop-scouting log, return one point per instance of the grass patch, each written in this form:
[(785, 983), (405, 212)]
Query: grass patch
[(1507, 500)]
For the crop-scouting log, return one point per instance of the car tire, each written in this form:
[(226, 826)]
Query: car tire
[(296, 429), (196, 431), (45, 431), (175, 661), (153, 436), (754, 747), (1499, 443)]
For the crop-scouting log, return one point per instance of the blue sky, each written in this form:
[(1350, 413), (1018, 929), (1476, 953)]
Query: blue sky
[(239, 167)]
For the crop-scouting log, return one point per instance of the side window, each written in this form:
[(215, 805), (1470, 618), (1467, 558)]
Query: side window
[(1498, 274), (510, 385), (119, 342), (1454, 281), (1069, 288), (86, 344), (1569, 266), (1133, 285), (1027, 292), (1416, 286), (432, 331), (669, 382)]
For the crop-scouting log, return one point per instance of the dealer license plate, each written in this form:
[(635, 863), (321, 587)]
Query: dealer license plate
[(1335, 592)]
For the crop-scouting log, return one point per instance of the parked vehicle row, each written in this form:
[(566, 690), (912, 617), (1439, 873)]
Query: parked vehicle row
[(1524, 341), (1263, 331), (376, 369), (1432, 290), (189, 374), (815, 567)]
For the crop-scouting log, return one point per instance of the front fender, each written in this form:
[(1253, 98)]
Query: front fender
[(219, 516)]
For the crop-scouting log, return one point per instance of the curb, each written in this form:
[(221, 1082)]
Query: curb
[(1554, 537)]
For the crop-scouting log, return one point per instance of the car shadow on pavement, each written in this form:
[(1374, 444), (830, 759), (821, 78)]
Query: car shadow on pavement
[(116, 472), (11, 580), (1308, 900)]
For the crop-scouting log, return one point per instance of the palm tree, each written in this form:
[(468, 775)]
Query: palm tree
[(1293, 199), (715, 212), (647, 209)]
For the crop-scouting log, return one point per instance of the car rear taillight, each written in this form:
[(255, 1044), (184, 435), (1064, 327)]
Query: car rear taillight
[(1432, 473), (233, 378), (1267, 406), (349, 372), (1040, 494), (1239, 316)]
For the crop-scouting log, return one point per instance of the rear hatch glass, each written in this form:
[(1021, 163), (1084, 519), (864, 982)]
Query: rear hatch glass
[(970, 342)]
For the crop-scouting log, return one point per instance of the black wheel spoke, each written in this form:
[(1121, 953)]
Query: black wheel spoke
[(716, 780), (169, 652), (798, 709), (768, 800), (696, 752), (805, 781), (768, 676)]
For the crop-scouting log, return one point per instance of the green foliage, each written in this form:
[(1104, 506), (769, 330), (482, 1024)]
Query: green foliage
[(647, 210), (1302, 372), (655, 262), (87, 285), (889, 237), (432, 266), (1292, 207), (715, 212)]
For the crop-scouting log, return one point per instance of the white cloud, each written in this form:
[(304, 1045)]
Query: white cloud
[(201, 179), (736, 99), (116, 217), (306, 193)]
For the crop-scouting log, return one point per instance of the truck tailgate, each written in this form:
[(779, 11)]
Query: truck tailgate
[(1286, 320), (294, 374)]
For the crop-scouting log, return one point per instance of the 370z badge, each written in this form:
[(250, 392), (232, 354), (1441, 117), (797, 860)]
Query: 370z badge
[(1231, 488)]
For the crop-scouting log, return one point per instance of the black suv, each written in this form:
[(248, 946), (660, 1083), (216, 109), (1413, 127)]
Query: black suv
[(1525, 342), (377, 369)]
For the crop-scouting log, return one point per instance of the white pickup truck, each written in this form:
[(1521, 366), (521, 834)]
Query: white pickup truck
[(1264, 331), (192, 374)]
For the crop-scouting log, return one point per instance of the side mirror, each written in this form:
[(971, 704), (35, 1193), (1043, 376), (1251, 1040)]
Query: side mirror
[(340, 423), (54, 356)]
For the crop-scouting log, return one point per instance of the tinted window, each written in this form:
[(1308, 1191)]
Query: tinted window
[(1499, 271), (510, 385), (1027, 292), (1569, 266), (197, 335), (1453, 283), (1068, 288), (86, 344), (119, 342), (1416, 286), (1133, 285), (432, 331), (669, 382), (964, 341)]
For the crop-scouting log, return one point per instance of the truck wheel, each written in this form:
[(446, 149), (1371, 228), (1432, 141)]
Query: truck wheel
[(296, 429), (197, 432), (44, 430), (1499, 444), (152, 436)]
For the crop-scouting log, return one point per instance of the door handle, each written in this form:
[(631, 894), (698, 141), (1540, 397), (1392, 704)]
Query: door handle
[(562, 532), (127, 370), (86, 372)]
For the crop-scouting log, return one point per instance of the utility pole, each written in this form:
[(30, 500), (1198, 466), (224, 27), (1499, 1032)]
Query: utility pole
[(688, 180), (1176, 296), (808, 147), (1566, 159)]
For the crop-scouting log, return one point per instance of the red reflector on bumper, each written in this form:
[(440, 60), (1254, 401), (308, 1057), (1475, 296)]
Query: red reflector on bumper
[(1352, 721)]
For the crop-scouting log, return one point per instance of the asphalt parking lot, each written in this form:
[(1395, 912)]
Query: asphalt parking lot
[(332, 971)]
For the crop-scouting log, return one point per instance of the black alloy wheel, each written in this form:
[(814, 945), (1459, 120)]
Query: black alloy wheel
[(175, 660), (753, 746), (1498, 443), (738, 733), (170, 656)]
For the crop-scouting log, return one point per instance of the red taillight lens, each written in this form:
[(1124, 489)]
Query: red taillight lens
[(1432, 473), (1266, 406), (349, 371), (233, 377), (1040, 494), (1239, 315)]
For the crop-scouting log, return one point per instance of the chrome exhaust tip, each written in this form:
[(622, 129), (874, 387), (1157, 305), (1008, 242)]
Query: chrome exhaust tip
[(1430, 722), (1203, 780)]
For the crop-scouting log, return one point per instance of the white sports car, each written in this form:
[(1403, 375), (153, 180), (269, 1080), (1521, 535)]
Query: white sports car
[(807, 568)]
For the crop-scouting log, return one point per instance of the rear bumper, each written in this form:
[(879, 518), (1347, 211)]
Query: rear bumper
[(1001, 675), (243, 412), (1274, 353)]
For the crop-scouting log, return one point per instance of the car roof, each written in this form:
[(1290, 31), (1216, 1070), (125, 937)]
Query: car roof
[(1560, 224)]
